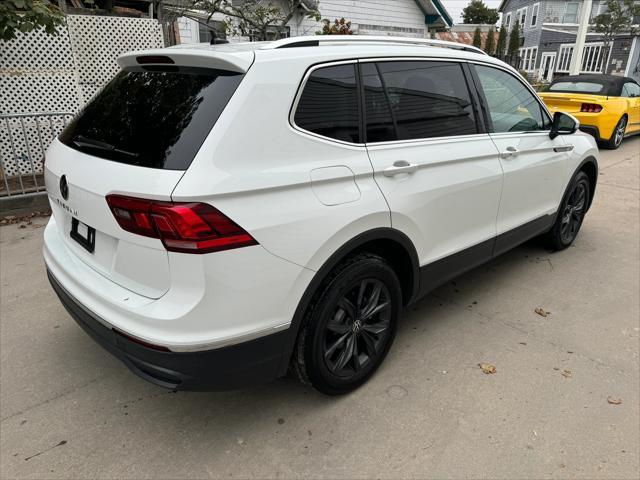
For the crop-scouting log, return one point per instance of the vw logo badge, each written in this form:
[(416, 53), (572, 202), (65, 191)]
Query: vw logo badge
[(64, 188)]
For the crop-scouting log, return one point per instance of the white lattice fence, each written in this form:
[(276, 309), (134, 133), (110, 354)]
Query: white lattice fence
[(97, 42), (41, 74)]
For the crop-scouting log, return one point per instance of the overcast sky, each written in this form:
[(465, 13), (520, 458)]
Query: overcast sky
[(454, 7)]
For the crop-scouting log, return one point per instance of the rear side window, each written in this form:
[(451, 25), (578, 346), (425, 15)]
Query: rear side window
[(631, 90), (328, 105), (152, 117), (426, 99), (381, 126)]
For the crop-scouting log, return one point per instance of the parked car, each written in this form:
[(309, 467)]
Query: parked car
[(225, 214), (607, 106)]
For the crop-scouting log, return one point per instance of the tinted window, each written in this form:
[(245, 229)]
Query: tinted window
[(328, 105), (428, 99), (585, 87), (512, 107), (380, 124), (152, 118)]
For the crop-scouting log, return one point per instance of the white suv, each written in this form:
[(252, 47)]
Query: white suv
[(223, 214)]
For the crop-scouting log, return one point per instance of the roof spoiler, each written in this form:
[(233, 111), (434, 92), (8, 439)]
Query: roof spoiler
[(204, 58)]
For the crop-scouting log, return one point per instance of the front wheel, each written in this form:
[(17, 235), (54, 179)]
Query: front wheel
[(571, 213), (350, 326), (617, 136)]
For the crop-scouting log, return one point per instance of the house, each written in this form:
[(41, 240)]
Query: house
[(407, 18), (548, 32)]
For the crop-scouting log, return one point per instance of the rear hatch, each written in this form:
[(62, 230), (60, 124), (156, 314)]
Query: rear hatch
[(135, 138)]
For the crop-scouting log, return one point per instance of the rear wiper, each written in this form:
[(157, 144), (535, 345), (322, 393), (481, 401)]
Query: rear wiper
[(81, 141)]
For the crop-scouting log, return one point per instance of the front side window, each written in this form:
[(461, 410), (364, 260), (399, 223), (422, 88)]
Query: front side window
[(507, 21), (328, 105), (512, 107), (426, 99)]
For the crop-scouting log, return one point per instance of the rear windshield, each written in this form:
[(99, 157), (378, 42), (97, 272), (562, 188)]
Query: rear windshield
[(584, 87), (152, 117)]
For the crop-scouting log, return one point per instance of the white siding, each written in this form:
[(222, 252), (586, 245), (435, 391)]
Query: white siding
[(363, 14), (371, 17)]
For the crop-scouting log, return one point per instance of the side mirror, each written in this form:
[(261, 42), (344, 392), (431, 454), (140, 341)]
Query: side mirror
[(563, 124)]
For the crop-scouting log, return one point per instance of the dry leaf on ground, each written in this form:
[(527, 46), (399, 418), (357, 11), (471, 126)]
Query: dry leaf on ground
[(566, 373), (487, 368), (614, 401), (542, 312)]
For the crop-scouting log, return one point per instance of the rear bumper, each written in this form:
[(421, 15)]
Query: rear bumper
[(248, 363), (591, 130)]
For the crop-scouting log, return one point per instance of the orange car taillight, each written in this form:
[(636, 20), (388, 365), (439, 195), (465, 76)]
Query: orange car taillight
[(182, 227)]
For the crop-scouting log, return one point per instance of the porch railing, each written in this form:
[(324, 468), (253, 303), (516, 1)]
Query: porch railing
[(24, 139)]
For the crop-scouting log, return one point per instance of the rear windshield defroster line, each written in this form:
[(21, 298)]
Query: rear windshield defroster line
[(156, 117)]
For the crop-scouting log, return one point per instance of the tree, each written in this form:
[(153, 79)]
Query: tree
[(27, 15), (477, 12), (617, 19), (257, 19), (514, 40), (477, 38), (338, 27), (502, 41), (490, 44)]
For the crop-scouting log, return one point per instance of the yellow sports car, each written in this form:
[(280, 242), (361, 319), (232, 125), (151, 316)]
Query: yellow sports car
[(607, 106)]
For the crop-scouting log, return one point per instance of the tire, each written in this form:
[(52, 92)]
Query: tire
[(617, 136), (349, 326), (571, 213)]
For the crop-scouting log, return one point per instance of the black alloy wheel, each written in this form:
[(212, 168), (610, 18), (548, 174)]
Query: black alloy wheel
[(349, 326), (571, 213), (358, 329)]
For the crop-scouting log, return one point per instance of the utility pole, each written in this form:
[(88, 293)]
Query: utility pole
[(578, 48)]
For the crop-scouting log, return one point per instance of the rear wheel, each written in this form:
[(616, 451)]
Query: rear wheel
[(571, 213), (617, 136), (349, 328)]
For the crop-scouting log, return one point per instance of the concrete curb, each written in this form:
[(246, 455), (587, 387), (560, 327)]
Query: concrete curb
[(24, 204)]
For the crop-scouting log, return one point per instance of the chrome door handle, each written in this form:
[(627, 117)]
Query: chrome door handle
[(400, 166), (510, 152)]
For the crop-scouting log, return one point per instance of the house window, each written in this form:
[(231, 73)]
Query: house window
[(564, 58), (594, 57), (534, 14), (521, 15), (571, 12), (528, 58), (274, 32), (507, 22), (602, 8)]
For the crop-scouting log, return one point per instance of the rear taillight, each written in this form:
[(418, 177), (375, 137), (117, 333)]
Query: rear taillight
[(182, 227), (591, 108)]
